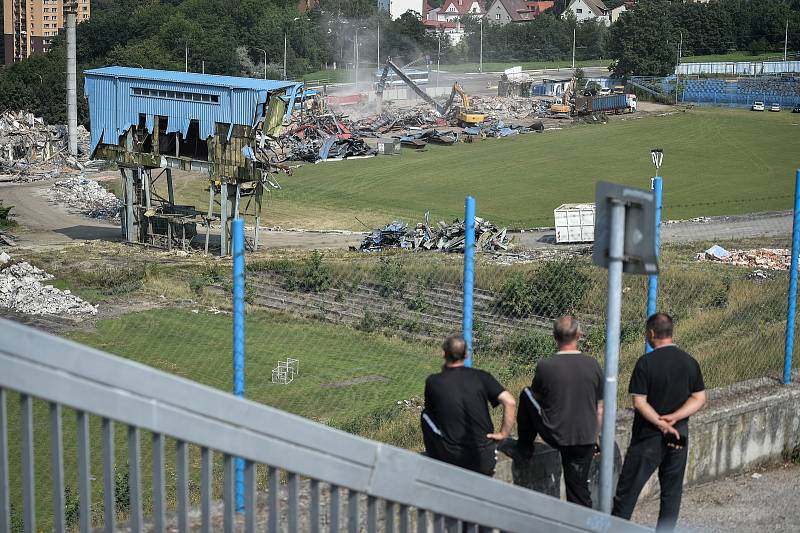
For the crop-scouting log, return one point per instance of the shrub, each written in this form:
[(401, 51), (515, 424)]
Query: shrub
[(316, 274), (391, 278), (418, 301), (110, 280), (6, 217), (210, 274), (554, 290), (368, 323), (792, 455), (122, 490)]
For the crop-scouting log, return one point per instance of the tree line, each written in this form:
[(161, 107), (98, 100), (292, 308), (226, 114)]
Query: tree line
[(233, 38)]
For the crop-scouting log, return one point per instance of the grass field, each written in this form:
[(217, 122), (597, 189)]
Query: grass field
[(717, 161)]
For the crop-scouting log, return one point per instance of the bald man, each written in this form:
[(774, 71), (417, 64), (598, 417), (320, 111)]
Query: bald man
[(564, 406)]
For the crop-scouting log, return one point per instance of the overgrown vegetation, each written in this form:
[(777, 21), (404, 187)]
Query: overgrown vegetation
[(553, 290), (6, 216), (391, 278), (792, 455)]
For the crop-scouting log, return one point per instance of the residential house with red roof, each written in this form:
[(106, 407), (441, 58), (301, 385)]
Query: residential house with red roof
[(515, 11)]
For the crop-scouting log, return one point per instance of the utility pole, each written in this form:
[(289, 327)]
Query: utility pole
[(480, 67), (677, 69), (71, 11), (438, 56), (285, 49), (186, 57), (573, 50), (785, 39), (355, 60), (378, 62), (265, 61)]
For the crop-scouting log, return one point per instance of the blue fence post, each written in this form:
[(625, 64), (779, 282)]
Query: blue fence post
[(790, 316), (652, 281), (469, 273), (237, 230)]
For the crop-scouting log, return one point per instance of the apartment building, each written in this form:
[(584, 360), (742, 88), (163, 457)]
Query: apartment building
[(30, 25)]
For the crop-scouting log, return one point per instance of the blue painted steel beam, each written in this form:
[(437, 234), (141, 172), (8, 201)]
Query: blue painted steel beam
[(469, 273), (652, 281), (237, 229), (792, 311)]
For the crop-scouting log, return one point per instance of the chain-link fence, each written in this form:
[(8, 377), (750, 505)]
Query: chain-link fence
[(347, 338)]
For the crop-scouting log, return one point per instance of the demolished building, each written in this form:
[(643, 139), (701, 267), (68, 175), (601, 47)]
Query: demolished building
[(152, 121)]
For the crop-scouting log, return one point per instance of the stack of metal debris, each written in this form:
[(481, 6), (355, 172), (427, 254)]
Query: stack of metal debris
[(442, 236), (762, 258), (419, 139), (31, 150), (501, 129)]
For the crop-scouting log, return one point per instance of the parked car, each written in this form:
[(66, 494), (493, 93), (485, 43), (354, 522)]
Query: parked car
[(758, 106), (796, 109), (775, 107), (604, 92)]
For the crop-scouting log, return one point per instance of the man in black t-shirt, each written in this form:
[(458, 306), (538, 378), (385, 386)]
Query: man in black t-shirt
[(667, 388), (564, 405), (456, 425)]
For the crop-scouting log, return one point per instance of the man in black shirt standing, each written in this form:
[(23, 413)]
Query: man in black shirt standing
[(564, 405), (456, 425), (667, 388)]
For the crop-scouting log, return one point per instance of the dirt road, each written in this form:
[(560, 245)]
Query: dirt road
[(43, 225)]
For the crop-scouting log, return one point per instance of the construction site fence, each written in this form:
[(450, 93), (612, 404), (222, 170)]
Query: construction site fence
[(347, 338)]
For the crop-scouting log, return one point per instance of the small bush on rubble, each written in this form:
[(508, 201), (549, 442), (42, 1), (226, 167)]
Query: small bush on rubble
[(554, 290), (792, 455)]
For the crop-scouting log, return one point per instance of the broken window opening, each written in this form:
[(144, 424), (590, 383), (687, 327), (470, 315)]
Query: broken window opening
[(193, 146)]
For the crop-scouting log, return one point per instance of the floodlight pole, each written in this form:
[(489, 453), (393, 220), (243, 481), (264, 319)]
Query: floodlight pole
[(480, 66), (285, 53), (657, 156), (613, 319), (785, 39)]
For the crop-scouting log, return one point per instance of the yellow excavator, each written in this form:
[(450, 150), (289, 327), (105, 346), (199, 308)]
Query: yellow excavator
[(464, 116), (564, 108)]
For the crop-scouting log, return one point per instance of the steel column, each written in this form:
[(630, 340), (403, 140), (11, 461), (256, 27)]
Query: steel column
[(652, 280), (792, 310), (469, 273), (237, 229), (613, 314)]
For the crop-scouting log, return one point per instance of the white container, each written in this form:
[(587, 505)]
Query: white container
[(574, 223)]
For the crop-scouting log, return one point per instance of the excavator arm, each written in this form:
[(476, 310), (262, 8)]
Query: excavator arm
[(408, 81)]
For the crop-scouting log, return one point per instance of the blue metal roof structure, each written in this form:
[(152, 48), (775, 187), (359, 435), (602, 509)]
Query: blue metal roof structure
[(119, 95)]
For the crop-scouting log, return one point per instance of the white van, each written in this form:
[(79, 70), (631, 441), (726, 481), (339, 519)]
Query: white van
[(758, 106)]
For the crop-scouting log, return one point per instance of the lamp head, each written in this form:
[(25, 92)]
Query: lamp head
[(657, 155)]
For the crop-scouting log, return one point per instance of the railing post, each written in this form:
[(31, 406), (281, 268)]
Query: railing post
[(237, 230), (792, 310), (652, 280), (469, 273)]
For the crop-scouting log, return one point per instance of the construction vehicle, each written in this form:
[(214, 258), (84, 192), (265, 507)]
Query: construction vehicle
[(464, 116), (564, 108)]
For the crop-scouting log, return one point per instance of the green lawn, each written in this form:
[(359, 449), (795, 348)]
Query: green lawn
[(728, 159), (717, 161)]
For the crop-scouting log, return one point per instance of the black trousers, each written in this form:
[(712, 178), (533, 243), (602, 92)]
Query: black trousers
[(642, 459), (575, 460), (478, 459)]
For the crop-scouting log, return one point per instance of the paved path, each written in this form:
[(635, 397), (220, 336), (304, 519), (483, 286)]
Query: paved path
[(768, 502)]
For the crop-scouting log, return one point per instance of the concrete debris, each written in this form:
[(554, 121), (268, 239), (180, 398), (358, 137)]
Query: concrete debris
[(86, 196), (761, 258), (415, 403), (525, 257), (760, 275), (697, 220), (21, 290), (4, 258), (442, 236), (32, 150)]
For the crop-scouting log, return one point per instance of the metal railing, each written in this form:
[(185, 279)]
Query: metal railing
[(415, 491)]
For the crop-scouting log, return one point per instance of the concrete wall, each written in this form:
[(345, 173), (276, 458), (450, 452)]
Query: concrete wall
[(742, 426)]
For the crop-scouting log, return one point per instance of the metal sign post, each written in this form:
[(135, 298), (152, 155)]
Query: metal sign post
[(624, 241)]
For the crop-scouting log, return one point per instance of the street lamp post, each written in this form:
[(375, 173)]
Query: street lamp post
[(265, 62), (285, 48), (480, 66), (438, 56), (657, 156)]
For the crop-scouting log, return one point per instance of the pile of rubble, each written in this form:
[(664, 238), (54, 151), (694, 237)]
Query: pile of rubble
[(760, 258), (442, 236), (21, 290), (31, 150), (86, 196)]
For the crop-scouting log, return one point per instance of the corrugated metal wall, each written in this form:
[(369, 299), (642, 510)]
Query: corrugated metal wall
[(114, 108)]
